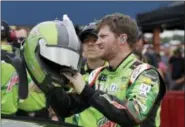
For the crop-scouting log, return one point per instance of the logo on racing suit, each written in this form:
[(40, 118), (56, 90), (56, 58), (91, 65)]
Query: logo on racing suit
[(12, 82), (113, 88), (151, 77), (144, 89), (139, 106), (138, 71), (104, 122), (102, 77), (124, 78)]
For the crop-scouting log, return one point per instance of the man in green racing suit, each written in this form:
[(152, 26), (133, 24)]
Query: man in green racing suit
[(127, 93)]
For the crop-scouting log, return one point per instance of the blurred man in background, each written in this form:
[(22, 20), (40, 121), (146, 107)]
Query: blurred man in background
[(145, 53), (88, 37), (148, 55), (140, 50), (7, 37), (176, 63)]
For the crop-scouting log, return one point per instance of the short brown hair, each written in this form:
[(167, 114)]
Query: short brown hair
[(119, 24)]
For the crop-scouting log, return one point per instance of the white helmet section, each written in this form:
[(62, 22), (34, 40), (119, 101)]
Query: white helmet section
[(61, 56), (73, 40), (70, 54)]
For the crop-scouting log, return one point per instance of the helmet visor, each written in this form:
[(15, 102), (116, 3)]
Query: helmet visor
[(59, 55)]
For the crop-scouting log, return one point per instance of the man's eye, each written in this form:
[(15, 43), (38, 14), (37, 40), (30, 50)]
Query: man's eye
[(102, 36)]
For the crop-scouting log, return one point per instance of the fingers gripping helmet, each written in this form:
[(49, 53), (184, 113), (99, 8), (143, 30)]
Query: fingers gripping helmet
[(90, 29), (51, 48)]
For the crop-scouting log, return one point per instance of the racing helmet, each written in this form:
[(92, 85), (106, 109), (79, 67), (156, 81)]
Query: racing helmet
[(51, 48), (89, 29)]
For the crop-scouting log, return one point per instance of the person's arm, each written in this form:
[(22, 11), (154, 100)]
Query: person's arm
[(131, 111), (65, 104), (180, 80)]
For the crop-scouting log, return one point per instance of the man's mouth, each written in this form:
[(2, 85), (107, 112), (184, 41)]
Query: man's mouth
[(100, 46), (91, 50)]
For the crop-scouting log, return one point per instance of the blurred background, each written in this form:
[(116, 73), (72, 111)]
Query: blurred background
[(161, 22)]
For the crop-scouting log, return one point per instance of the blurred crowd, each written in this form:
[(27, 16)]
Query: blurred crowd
[(169, 61)]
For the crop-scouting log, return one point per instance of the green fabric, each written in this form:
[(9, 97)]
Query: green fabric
[(9, 96), (35, 101), (50, 37), (143, 91), (46, 31), (86, 75), (29, 53), (9, 93), (6, 47)]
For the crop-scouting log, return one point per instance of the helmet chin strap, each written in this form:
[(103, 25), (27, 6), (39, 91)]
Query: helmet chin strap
[(18, 64)]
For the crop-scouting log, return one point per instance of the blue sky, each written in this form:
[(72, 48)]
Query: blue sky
[(33, 12)]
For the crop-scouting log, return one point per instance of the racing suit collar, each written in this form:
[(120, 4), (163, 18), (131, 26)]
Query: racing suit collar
[(87, 69), (129, 58)]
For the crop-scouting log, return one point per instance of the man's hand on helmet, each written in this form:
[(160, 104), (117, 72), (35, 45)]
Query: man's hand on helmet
[(77, 81)]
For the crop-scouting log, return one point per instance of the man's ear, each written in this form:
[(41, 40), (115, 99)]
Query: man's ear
[(123, 38)]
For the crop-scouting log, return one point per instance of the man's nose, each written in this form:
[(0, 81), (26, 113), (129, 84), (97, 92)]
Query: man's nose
[(91, 43), (98, 41)]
